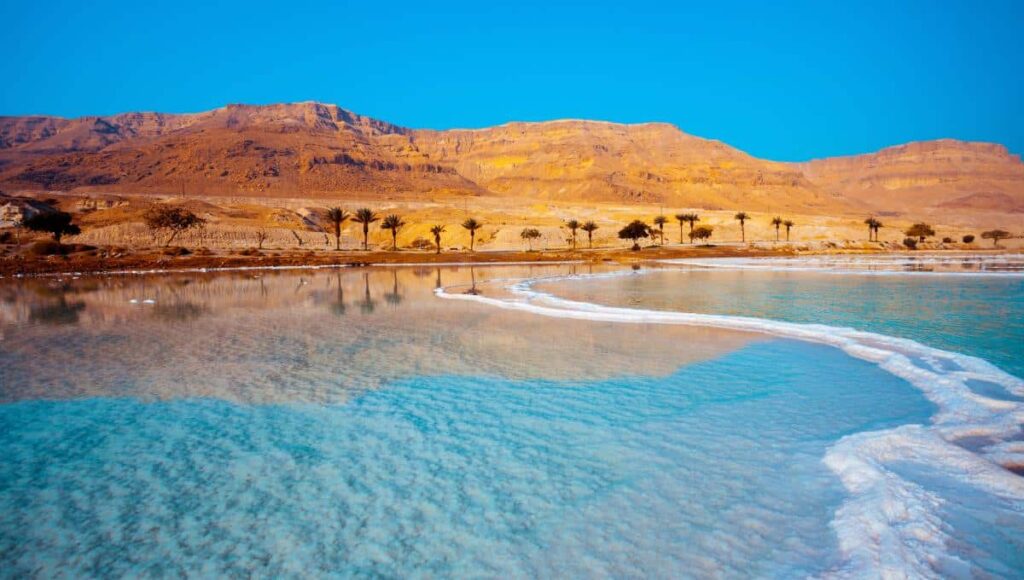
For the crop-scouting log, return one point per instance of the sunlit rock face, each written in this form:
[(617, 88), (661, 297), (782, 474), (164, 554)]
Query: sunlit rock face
[(590, 160), (949, 174), (317, 150)]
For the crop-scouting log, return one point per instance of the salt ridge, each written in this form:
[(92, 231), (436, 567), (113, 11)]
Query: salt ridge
[(889, 526)]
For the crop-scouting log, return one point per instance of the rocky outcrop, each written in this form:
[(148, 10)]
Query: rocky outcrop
[(945, 173), (314, 150)]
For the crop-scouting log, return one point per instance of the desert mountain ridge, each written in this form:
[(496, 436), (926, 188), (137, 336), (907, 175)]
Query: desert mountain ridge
[(315, 150)]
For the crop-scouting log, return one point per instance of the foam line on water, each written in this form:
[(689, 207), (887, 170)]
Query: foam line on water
[(889, 526)]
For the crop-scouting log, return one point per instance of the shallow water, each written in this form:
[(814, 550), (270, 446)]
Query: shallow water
[(981, 315), (351, 422)]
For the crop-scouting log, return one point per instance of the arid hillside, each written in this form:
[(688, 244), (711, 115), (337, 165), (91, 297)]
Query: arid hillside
[(950, 174), (316, 151)]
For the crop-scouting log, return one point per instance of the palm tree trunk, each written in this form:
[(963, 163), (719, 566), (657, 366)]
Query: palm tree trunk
[(743, 233), (366, 237), (590, 239), (394, 240), (472, 239)]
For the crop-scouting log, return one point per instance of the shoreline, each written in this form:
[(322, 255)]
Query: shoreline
[(156, 262)]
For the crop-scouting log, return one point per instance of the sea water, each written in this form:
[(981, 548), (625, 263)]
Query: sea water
[(354, 423)]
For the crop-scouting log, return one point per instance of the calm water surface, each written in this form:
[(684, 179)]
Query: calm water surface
[(353, 423)]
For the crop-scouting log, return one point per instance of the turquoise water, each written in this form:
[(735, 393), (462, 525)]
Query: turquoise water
[(352, 423), (977, 315), (452, 475)]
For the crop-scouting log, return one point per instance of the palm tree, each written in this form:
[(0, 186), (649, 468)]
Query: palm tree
[(394, 223), (871, 222), (681, 218), (472, 225), (573, 225), (878, 225), (366, 217), (742, 217), (776, 221), (589, 227), (660, 221), (437, 230), (686, 217), (337, 216), (789, 224)]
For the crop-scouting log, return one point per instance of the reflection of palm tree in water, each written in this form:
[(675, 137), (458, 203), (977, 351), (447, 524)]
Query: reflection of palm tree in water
[(338, 306), (61, 312), (438, 283), (472, 277), (393, 298), (366, 305)]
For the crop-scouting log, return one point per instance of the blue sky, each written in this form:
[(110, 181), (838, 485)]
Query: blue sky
[(781, 80)]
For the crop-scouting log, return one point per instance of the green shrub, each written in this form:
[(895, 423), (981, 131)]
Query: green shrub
[(947, 240), (968, 238), (910, 243)]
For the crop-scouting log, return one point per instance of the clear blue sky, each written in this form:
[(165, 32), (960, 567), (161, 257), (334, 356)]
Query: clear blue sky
[(781, 80)]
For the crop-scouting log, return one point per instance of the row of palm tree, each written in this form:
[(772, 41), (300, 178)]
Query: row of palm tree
[(741, 217), (873, 226), (573, 225), (337, 216), (392, 222)]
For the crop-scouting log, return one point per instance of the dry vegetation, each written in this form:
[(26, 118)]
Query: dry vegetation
[(293, 232)]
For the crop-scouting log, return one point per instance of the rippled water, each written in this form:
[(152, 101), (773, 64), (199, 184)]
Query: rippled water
[(351, 422)]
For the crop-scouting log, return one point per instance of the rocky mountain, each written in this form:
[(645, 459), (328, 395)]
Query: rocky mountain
[(948, 174), (318, 150)]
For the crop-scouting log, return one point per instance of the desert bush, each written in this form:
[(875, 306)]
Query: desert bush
[(57, 224), (995, 236), (968, 239), (175, 251), (947, 240), (175, 220), (422, 244), (910, 243), (45, 248), (250, 252)]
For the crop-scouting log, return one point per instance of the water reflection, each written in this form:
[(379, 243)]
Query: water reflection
[(264, 337), (59, 312), (394, 297), (367, 305)]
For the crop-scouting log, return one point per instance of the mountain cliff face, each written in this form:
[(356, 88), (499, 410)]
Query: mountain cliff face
[(945, 173), (313, 150), (595, 161)]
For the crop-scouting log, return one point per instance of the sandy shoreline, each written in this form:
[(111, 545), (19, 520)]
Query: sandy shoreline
[(154, 261)]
